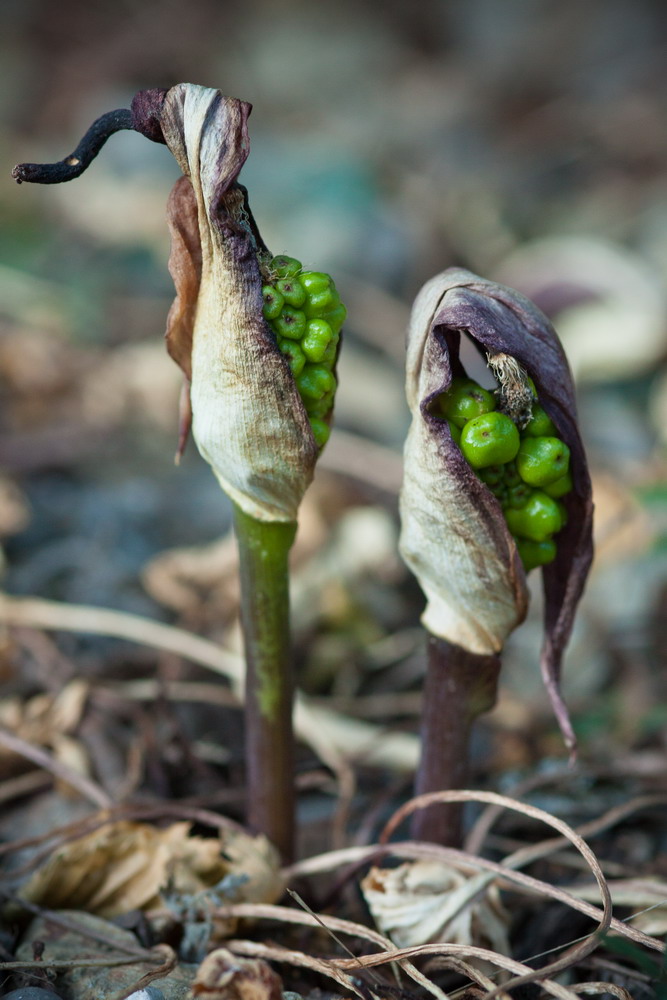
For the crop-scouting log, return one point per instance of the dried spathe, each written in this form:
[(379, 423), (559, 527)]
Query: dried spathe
[(127, 866), (454, 536), (248, 419)]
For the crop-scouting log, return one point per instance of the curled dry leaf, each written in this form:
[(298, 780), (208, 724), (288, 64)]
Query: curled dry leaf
[(454, 536), (420, 902), (224, 976), (247, 417), (126, 866), (47, 720)]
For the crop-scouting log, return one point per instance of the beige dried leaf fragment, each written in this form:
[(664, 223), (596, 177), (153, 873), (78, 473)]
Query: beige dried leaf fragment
[(48, 720), (224, 976), (425, 901), (248, 419), (126, 866)]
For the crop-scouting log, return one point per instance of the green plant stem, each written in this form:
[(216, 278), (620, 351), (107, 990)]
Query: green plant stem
[(459, 687), (263, 554)]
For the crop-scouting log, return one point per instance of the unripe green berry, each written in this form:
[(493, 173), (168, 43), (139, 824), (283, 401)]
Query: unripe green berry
[(292, 291), (284, 266), (490, 439), (306, 314), (534, 554), (560, 488), (291, 323), (295, 356), (336, 317), (321, 431), (540, 424), (331, 353), (542, 460), (315, 281), (316, 339), (511, 475), (320, 303), (319, 408), (518, 496), (273, 302), (455, 432), (537, 520), (463, 402), (492, 475), (315, 382)]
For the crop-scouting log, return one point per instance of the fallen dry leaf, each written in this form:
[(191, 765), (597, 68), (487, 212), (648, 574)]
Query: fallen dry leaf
[(47, 720), (126, 866), (420, 902)]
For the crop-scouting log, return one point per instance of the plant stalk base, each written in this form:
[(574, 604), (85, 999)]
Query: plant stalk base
[(459, 687)]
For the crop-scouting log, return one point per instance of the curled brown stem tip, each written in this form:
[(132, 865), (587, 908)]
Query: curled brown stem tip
[(143, 117)]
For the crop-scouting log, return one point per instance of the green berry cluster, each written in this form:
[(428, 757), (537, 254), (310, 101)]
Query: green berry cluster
[(527, 469), (306, 314)]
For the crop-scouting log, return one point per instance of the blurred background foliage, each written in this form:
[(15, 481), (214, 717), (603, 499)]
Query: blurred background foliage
[(523, 139)]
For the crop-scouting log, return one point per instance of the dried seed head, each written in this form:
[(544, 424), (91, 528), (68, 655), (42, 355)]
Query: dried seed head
[(515, 396)]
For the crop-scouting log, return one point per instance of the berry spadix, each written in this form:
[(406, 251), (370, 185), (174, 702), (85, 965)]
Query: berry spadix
[(475, 460)]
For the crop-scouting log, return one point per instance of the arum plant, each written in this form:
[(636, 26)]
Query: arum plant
[(257, 339), (495, 484)]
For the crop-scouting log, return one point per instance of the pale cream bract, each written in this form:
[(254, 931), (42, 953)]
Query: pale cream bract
[(247, 417)]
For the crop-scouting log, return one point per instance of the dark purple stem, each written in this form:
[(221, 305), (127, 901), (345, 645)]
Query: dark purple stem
[(459, 686), (143, 117)]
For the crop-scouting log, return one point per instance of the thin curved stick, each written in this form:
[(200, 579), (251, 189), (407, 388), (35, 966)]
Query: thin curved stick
[(612, 988), (266, 911), (613, 816), (278, 954), (473, 974), (493, 798), (125, 811), (321, 729), (334, 967), (74, 165), (84, 786), (468, 863), (534, 852), (463, 950)]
